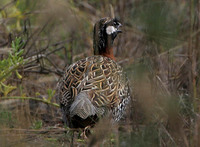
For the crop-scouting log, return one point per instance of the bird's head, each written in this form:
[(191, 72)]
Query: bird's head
[(105, 32), (112, 28)]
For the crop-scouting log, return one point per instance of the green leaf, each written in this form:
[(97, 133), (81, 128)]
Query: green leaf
[(37, 125), (5, 89), (50, 93), (18, 75)]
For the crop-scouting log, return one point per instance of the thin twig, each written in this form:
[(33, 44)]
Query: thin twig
[(32, 98), (36, 36)]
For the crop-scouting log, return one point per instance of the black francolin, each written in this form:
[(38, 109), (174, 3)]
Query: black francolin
[(95, 86)]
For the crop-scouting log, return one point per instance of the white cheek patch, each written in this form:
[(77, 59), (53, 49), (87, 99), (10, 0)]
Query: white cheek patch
[(110, 30)]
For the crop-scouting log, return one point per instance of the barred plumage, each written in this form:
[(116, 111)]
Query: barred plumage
[(94, 86)]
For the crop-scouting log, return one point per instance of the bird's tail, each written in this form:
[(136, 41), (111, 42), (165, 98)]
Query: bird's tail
[(83, 107)]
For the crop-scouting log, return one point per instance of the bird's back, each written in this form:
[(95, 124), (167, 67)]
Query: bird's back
[(91, 88)]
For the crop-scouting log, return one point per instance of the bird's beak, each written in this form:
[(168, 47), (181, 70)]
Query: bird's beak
[(118, 28)]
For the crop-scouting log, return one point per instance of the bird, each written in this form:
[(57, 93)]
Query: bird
[(95, 86)]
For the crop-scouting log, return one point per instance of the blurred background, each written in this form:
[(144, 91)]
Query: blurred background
[(159, 50)]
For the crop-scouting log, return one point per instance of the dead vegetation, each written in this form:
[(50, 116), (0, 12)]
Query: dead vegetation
[(159, 50)]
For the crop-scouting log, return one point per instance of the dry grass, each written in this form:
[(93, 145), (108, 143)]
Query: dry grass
[(159, 50)]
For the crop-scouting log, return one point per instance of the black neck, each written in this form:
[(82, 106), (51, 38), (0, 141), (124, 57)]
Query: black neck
[(101, 41)]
